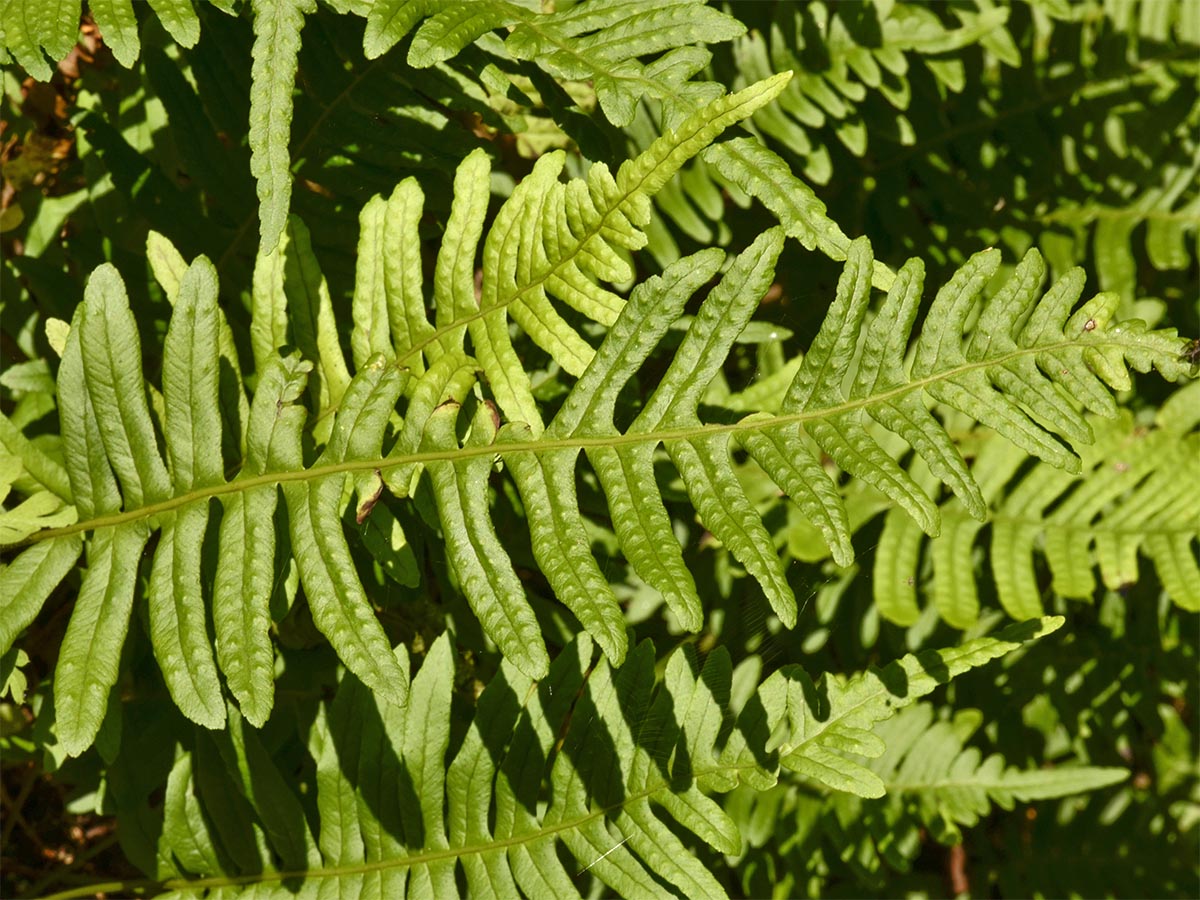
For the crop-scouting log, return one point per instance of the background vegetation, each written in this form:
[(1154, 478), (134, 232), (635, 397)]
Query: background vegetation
[(146, 136)]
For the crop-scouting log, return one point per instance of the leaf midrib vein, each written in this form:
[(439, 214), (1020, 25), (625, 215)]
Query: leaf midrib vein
[(541, 445)]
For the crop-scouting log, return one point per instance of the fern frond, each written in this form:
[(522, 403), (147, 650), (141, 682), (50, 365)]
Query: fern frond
[(853, 66), (929, 87), (1124, 109), (1170, 212), (118, 474), (291, 305), (857, 63), (931, 775), (1134, 492), (29, 27), (27, 581), (602, 41), (553, 239), (1002, 371), (593, 756), (277, 27), (1011, 373), (41, 510), (813, 741), (762, 174), (935, 785)]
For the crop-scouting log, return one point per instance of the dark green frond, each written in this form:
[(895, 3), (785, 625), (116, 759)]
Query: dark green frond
[(1135, 492), (615, 763)]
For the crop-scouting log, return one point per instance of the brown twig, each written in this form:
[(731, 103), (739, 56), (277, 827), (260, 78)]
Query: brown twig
[(13, 808), (956, 871)]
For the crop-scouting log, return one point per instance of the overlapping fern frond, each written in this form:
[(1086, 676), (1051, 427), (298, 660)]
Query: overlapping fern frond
[(935, 784), (932, 776), (939, 90), (1135, 492), (30, 30), (853, 65), (857, 60), (1109, 93), (1027, 364), (598, 758), (375, 118), (864, 62), (608, 43)]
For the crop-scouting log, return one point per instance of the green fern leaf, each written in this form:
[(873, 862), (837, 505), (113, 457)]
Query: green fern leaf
[(249, 767), (40, 511), (927, 769), (814, 725), (112, 368), (484, 570), (292, 305), (166, 262), (310, 315), (27, 581), (626, 474), (600, 42), (192, 429), (268, 308), (851, 58), (169, 269), (935, 785), (243, 584), (90, 655), (704, 463), (191, 381), (488, 326), (55, 26), (180, 20), (118, 25), (402, 272), (455, 25), (603, 43), (32, 461), (835, 421), (448, 380), (33, 25), (1072, 518), (984, 377), (593, 756), (184, 822), (387, 284), (277, 27), (352, 756), (339, 605), (22, 30), (390, 20), (426, 739), (177, 627), (760, 173)]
